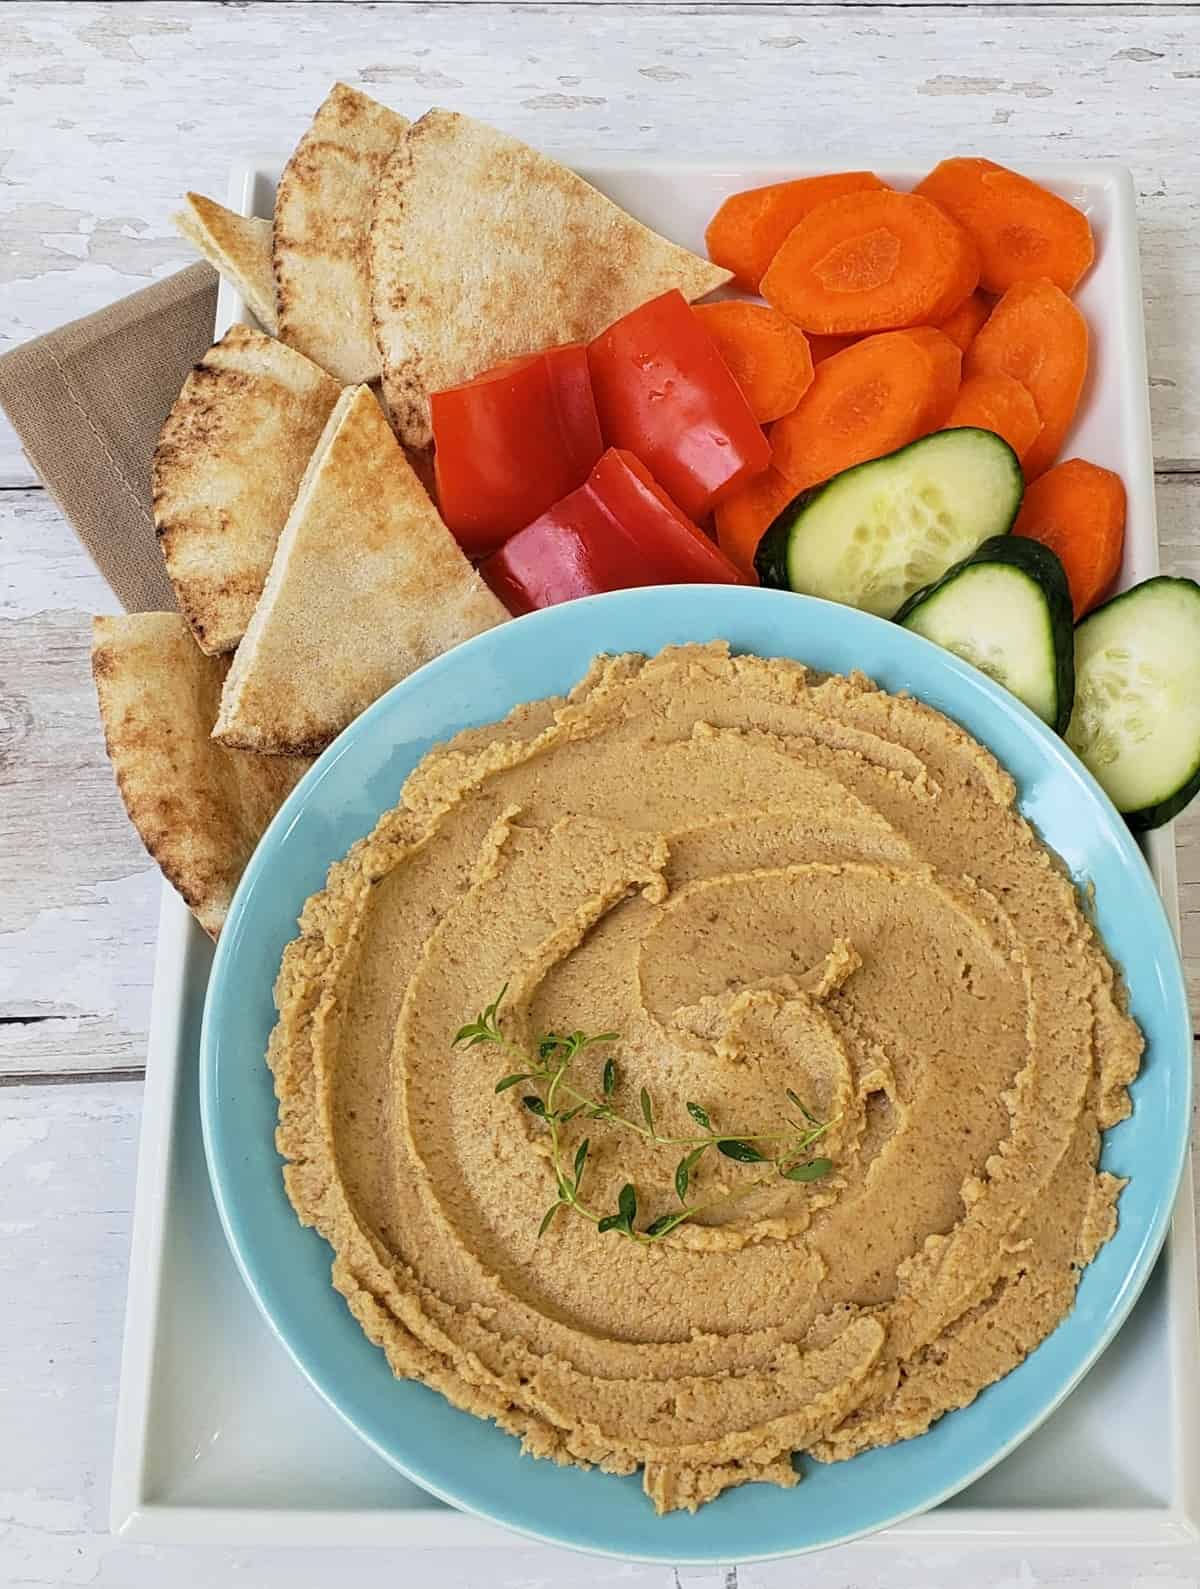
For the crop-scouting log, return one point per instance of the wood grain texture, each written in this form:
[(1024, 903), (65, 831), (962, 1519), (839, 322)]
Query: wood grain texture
[(78, 897), (110, 111)]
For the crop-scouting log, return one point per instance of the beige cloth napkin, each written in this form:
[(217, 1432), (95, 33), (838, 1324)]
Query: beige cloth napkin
[(87, 402)]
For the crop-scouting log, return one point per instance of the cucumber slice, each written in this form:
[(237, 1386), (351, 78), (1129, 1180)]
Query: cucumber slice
[(1136, 724), (876, 533), (1007, 609)]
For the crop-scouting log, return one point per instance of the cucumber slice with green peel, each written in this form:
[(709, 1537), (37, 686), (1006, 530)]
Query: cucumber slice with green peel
[(1136, 723), (874, 534), (1007, 609)]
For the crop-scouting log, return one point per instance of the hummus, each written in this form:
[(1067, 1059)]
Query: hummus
[(761, 879)]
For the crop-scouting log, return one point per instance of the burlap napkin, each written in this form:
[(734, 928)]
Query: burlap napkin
[(87, 402)]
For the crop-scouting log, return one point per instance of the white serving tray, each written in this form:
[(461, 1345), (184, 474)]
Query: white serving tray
[(220, 1439)]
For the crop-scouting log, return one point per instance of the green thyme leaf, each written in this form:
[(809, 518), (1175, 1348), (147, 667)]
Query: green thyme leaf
[(812, 1171), (555, 1053), (666, 1222), (743, 1152), (546, 1218)]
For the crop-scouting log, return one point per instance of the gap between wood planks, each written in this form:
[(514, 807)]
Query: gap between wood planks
[(71, 1078), (757, 7)]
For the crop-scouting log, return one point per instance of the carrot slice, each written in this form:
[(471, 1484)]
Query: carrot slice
[(872, 262), (946, 359), (1036, 335), (997, 402), (962, 326), (748, 229), (1022, 230), (823, 348), (1077, 509), (864, 402), (743, 517), (767, 355)]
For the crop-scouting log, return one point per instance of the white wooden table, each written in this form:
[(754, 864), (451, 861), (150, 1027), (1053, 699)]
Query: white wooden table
[(107, 112)]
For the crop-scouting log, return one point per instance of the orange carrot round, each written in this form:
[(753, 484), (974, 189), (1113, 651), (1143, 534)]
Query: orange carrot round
[(946, 362), (872, 262), (767, 355), (1077, 509), (748, 229), (997, 402), (1022, 230), (1036, 335), (743, 517), (864, 402), (823, 348), (962, 325)]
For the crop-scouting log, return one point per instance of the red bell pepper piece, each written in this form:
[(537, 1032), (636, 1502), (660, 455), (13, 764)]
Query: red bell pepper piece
[(619, 530), (512, 442), (664, 392)]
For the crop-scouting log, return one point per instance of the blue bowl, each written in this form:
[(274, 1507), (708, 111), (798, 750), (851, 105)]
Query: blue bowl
[(472, 1464)]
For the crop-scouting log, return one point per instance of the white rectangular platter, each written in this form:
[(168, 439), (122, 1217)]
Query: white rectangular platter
[(220, 1439)]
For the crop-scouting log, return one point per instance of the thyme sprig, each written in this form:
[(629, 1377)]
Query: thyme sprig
[(556, 1100)]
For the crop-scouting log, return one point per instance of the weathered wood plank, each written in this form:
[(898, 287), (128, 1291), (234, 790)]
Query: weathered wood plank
[(78, 897), (132, 104)]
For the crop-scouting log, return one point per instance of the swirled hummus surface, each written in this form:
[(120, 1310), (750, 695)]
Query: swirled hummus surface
[(763, 880)]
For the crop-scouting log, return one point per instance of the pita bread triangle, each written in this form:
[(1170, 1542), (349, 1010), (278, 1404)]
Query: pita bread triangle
[(322, 221), (367, 584), (229, 458), (483, 249), (200, 809), (239, 246)]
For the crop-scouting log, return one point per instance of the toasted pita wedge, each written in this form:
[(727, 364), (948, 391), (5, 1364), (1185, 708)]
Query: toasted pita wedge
[(240, 248), (483, 249), (322, 222), (200, 809), (367, 584), (226, 468)]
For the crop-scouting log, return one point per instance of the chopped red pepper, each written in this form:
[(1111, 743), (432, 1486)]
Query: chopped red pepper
[(619, 530), (513, 441), (664, 392)]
